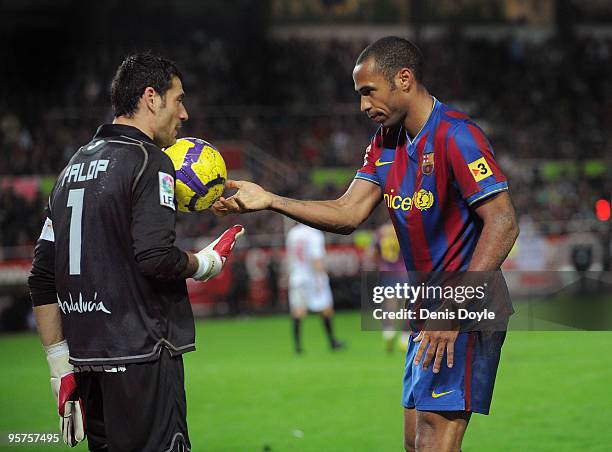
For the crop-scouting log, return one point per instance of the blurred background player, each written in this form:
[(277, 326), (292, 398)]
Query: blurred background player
[(309, 287), (385, 252)]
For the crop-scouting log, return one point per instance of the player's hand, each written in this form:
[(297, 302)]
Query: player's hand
[(212, 258), (435, 344), (64, 387), (250, 197)]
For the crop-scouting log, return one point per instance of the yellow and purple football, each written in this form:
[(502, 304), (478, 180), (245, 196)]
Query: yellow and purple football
[(200, 173)]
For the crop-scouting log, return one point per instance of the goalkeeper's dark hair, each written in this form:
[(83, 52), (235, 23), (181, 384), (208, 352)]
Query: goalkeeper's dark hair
[(134, 75), (392, 54)]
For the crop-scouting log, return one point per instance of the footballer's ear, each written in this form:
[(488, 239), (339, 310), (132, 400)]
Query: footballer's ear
[(151, 99), (404, 79)]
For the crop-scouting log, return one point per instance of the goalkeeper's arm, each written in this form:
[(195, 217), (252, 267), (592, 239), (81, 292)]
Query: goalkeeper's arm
[(174, 263), (41, 283), (48, 319)]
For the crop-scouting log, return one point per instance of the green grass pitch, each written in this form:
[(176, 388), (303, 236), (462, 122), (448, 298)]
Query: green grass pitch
[(247, 391)]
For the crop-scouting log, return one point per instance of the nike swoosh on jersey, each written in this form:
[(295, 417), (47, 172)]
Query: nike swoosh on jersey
[(435, 396), (379, 163)]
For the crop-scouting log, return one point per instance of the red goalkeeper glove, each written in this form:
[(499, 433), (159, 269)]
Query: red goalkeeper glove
[(64, 387), (212, 258)]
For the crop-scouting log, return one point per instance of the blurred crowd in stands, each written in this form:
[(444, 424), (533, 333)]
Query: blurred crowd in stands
[(294, 100)]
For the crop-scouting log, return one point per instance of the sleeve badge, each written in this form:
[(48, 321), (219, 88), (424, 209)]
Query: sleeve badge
[(166, 190), (480, 169)]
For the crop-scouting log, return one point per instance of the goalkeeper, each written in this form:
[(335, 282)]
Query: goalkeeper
[(108, 283)]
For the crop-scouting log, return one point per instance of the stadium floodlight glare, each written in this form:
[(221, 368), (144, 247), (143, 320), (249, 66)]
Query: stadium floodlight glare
[(602, 210)]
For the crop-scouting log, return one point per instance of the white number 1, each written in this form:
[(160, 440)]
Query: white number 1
[(75, 200)]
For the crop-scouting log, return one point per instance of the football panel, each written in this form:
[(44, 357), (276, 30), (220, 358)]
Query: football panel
[(183, 195), (178, 151)]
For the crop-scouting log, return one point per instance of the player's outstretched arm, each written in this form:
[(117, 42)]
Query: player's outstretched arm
[(342, 215)]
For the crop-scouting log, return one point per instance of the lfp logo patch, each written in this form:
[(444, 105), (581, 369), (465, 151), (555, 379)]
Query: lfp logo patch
[(480, 169), (166, 190)]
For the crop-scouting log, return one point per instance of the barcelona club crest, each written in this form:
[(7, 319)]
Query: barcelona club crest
[(428, 164)]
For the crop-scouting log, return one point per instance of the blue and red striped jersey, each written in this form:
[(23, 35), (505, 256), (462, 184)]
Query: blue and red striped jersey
[(430, 185)]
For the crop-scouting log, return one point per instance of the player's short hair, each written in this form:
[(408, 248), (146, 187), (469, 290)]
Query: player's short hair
[(134, 75), (392, 54)]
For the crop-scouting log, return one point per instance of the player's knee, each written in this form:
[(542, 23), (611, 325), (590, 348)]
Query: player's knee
[(409, 444), (327, 312), (424, 441), (298, 313), (425, 434)]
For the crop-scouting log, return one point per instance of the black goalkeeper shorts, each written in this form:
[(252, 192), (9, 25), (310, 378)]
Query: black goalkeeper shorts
[(141, 408)]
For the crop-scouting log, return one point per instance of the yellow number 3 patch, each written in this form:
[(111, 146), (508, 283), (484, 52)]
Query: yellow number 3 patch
[(480, 169)]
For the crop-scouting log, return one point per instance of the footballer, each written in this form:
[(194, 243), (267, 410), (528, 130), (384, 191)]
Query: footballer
[(309, 288), (107, 281), (448, 201)]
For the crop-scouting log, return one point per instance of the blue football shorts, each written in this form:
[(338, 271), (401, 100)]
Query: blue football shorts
[(467, 386)]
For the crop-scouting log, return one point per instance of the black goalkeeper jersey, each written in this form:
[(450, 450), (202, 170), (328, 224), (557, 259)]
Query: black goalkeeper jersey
[(106, 254)]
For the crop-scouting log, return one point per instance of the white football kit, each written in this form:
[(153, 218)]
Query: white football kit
[(308, 287)]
